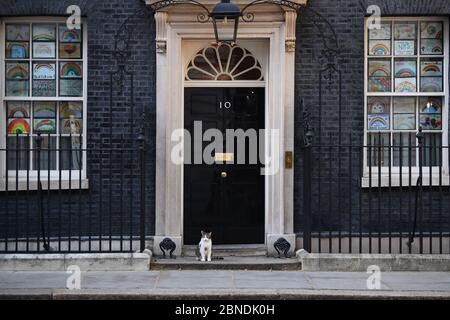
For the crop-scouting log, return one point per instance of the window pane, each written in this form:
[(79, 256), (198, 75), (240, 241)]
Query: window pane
[(378, 149), (17, 50), (44, 79), (18, 113), (405, 38), (18, 152), (71, 158), (405, 75), (431, 84), (431, 72), (71, 79), (17, 75), (45, 50), (47, 155), (69, 43), (430, 113), (17, 32), (378, 113), (404, 150), (404, 113), (382, 33), (432, 47), (44, 117), (379, 75), (17, 44), (431, 38)]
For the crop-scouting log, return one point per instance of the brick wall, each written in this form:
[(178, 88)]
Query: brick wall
[(109, 206), (333, 201)]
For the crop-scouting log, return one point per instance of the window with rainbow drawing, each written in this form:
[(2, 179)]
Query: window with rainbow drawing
[(405, 88), (43, 94)]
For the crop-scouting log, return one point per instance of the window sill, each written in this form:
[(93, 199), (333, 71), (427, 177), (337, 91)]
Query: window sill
[(31, 185), (395, 180)]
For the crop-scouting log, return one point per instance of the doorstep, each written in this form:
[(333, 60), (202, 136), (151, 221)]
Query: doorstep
[(226, 263)]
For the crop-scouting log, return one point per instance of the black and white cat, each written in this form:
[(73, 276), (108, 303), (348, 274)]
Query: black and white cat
[(205, 247)]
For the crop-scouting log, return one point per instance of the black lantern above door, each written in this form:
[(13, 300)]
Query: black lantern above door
[(225, 18)]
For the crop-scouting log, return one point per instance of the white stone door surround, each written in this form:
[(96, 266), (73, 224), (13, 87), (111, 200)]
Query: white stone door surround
[(176, 28)]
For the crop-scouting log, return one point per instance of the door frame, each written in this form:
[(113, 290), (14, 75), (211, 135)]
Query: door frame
[(174, 29)]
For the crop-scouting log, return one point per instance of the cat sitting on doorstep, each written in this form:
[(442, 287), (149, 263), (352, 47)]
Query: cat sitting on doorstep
[(205, 247)]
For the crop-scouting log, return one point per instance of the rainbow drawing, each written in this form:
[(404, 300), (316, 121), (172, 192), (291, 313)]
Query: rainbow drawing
[(405, 85), (382, 84), (44, 32), (379, 68), (67, 35), (43, 50), (18, 110), (379, 72), (405, 73), (18, 125), (44, 109), (17, 50), (431, 69), (71, 70), (437, 49), (404, 121), (380, 48), (378, 122), (44, 71), (405, 68), (17, 32), (17, 71), (44, 125), (432, 46), (431, 84)]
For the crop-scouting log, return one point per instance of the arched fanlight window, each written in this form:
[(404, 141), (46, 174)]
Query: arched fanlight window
[(224, 63)]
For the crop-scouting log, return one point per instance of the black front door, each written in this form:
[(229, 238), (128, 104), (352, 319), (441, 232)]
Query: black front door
[(226, 198)]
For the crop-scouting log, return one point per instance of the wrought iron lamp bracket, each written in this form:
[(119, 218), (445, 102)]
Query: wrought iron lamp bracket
[(202, 17)]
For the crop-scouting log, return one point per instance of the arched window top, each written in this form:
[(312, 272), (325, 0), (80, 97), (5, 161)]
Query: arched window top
[(224, 63)]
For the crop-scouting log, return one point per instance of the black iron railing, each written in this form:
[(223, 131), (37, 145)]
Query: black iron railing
[(72, 198), (376, 197)]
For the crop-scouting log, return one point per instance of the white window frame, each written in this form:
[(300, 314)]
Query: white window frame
[(395, 171), (64, 179)]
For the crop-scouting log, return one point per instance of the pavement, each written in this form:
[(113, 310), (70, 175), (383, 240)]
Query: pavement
[(224, 284)]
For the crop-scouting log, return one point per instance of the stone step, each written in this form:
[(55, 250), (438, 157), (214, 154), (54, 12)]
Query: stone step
[(230, 250), (227, 263)]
